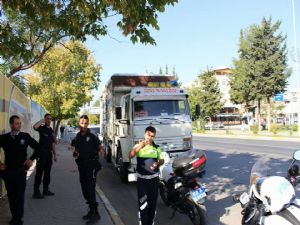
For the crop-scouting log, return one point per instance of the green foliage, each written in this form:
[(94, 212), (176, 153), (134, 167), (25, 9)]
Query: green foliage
[(97, 103), (160, 71), (73, 121), (261, 70), (295, 127), (63, 80), (199, 125), (28, 29), (19, 82), (167, 70), (205, 91), (274, 128), (254, 129), (94, 119)]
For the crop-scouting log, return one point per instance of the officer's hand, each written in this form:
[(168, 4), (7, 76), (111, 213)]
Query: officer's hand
[(2, 166), (154, 166), (142, 143), (54, 158), (102, 152), (27, 164)]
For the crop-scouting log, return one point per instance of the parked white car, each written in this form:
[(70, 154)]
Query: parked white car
[(95, 129)]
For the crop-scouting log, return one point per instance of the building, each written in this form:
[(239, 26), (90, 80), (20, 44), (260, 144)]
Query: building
[(231, 113)]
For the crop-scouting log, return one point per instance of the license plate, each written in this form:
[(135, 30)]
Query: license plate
[(198, 194)]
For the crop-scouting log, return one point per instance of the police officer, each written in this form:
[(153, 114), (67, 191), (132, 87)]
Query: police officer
[(87, 148), (47, 155), (148, 161), (13, 170)]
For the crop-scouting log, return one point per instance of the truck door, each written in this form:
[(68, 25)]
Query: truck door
[(125, 127)]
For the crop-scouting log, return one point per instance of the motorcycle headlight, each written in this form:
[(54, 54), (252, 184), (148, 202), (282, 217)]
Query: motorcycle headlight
[(187, 142)]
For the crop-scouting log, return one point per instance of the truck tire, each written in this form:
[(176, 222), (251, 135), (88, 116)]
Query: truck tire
[(123, 166), (108, 153)]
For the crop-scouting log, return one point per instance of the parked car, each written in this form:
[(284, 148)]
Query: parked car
[(216, 125), (95, 129)]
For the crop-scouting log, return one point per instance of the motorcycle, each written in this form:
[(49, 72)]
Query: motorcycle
[(271, 199), (179, 185)]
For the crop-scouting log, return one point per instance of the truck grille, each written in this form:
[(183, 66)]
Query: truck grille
[(170, 144)]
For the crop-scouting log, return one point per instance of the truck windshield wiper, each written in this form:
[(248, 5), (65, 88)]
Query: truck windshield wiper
[(144, 119), (171, 118)]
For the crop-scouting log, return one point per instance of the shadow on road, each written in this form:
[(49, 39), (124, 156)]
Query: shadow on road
[(228, 175)]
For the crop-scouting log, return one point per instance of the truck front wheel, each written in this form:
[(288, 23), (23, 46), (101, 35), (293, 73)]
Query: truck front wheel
[(123, 167), (108, 151)]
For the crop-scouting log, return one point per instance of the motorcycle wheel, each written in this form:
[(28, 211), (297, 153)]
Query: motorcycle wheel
[(163, 192), (196, 213)]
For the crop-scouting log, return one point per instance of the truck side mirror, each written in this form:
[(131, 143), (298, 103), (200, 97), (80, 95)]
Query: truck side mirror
[(118, 113), (198, 110)]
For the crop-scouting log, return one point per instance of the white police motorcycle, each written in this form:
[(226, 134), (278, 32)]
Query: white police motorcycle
[(271, 199), (180, 187)]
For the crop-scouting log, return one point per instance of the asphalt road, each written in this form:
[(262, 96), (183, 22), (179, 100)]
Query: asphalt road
[(228, 170)]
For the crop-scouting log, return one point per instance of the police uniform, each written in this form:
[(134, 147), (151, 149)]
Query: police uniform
[(15, 149), (88, 165), (147, 183), (44, 163)]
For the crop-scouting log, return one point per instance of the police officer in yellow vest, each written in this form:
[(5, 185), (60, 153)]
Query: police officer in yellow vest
[(148, 161)]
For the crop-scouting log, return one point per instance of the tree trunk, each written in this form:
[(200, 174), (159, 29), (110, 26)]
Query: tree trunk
[(248, 121), (56, 124), (269, 114), (257, 116)]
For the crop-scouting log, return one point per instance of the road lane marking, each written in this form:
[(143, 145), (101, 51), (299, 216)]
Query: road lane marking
[(243, 144)]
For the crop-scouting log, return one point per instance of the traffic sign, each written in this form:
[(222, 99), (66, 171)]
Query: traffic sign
[(278, 98)]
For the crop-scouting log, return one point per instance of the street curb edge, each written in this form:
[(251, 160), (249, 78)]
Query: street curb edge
[(116, 219)]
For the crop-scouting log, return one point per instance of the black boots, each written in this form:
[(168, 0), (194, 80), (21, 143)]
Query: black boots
[(92, 216), (47, 192), (37, 194), (88, 215)]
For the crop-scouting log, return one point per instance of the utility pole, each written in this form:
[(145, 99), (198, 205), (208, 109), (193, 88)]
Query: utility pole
[(296, 65)]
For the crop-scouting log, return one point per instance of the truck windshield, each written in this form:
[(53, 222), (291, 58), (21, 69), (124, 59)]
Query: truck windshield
[(160, 108)]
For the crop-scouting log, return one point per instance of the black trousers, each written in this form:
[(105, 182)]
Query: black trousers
[(15, 183), (147, 197), (87, 177), (43, 167)]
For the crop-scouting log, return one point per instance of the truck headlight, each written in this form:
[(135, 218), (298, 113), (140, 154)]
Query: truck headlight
[(187, 142)]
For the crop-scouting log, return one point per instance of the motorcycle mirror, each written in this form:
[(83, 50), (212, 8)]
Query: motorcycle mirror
[(297, 155)]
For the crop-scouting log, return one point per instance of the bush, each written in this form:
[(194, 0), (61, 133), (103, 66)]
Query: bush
[(254, 129), (295, 127), (274, 128)]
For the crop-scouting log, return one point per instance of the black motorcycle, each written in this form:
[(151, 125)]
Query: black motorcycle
[(180, 187)]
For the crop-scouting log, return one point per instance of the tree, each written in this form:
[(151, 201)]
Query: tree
[(94, 119), (167, 70), (160, 71), (28, 29), (97, 103), (63, 80), (262, 66), (20, 83), (205, 91)]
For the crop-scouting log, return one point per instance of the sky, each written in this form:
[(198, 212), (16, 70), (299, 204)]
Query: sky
[(194, 35)]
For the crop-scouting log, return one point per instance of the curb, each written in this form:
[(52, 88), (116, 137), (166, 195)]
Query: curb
[(116, 219)]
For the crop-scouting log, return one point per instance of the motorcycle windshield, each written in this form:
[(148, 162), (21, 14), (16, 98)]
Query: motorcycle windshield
[(265, 167)]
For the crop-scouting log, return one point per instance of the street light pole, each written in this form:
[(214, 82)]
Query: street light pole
[(296, 65)]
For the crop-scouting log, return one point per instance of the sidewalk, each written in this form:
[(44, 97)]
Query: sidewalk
[(66, 207)]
